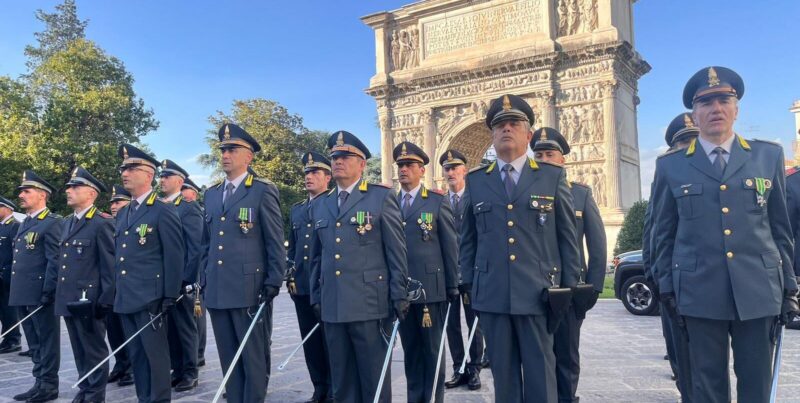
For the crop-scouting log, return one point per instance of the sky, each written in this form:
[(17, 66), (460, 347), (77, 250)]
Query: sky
[(193, 58)]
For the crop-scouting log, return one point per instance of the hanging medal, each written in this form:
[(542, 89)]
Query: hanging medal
[(245, 219), (761, 188), (30, 240), (425, 222), (368, 223), (360, 221), (143, 230)]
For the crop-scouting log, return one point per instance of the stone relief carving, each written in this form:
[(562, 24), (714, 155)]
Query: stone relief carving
[(591, 175), (589, 70), (404, 48), (576, 16), (581, 124), (580, 94), (413, 135)]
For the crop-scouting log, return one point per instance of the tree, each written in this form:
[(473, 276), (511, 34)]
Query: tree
[(373, 171), (61, 28), (630, 235), (283, 140), (17, 120)]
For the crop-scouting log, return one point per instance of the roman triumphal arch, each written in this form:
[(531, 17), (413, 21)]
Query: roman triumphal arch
[(440, 62)]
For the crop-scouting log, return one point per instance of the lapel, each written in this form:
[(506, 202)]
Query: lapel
[(698, 158), (739, 156), (496, 182), (140, 212), (526, 179), (78, 225), (24, 226), (238, 194), (330, 202), (351, 201), (214, 203), (416, 204)]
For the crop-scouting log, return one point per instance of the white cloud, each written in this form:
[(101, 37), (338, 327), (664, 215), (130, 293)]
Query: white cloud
[(647, 169)]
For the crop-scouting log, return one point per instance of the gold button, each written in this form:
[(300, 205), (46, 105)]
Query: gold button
[(65, 255), (338, 240), (305, 246), (380, 277), (727, 231), (725, 210), (64, 267), (126, 232), (63, 279), (124, 245), (511, 223), (513, 257), (222, 218), (305, 257), (123, 272), (337, 256), (685, 191), (729, 255), (219, 262), (219, 247), (338, 273), (338, 224), (723, 187), (122, 259), (510, 207), (308, 236), (222, 233), (511, 240), (308, 225)]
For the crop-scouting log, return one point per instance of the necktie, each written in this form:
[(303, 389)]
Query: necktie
[(720, 163), (72, 223), (343, 197), (228, 193), (406, 204), (508, 181), (454, 201), (134, 205)]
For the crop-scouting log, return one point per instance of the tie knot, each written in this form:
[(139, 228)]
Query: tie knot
[(719, 151), (135, 203), (229, 186), (508, 168), (407, 196), (343, 194)]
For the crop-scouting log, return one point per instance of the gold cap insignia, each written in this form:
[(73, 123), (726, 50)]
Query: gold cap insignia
[(24, 175), (544, 134), (403, 151), (125, 152), (713, 80), (75, 172), (687, 120), (506, 103), (310, 159), (227, 135), (164, 164), (449, 156), (340, 139)]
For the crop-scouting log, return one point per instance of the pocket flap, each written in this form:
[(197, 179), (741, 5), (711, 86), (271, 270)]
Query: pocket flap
[(771, 259), (81, 242), (432, 268), (374, 275), (481, 265), (688, 190), (481, 207), (753, 183), (251, 268), (321, 224), (685, 263), (295, 225)]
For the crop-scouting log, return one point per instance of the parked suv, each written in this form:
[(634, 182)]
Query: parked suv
[(630, 286)]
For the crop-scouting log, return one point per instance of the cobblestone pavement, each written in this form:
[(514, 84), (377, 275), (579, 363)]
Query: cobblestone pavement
[(622, 360)]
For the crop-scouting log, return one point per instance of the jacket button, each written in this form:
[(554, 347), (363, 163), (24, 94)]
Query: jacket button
[(511, 223), (380, 277), (65, 255), (511, 240), (338, 273), (308, 225), (126, 232), (510, 207), (723, 187), (66, 244), (338, 224), (64, 267), (337, 256), (725, 210), (219, 247), (727, 231), (729, 255), (122, 259), (308, 236), (123, 272), (338, 240), (305, 246), (124, 245), (512, 257), (221, 233), (222, 218), (219, 262), (63, 279), (305, 257), (404, 223), (158, 276), (16, 250)]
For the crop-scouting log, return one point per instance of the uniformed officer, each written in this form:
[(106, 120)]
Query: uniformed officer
[(317, 170), (182, 330), (33, 284), (455, 171), (121, 373), (149, 267), (679, 134), (432, 255), (359, 272), (518, 239), (85, 291), (9, 315), (722, 227), (549, 145), (246, 262), (191, 193)]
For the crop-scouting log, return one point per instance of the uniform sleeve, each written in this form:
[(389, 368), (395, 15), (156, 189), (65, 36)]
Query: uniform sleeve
[(448, 240), (779, 224), (272, 229), (793, 207), (205, 243), (192, 223), (566, 234), (316, 264), (648, 225), (394, 247), (595, 243), (292, 249), (12, 237), (468, 244), (173, 249), (105, 261), (51, 243), (665, 227)]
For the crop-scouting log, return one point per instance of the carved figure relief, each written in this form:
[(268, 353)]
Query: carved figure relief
[(576, 16), (404, 48)]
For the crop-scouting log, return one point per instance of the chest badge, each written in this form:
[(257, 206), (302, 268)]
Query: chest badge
[(425, 222), (363, 222), (143, 230), (30, 240), (245, 219)]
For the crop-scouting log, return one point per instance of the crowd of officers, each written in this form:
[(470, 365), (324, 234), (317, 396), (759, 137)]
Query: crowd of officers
[(514, 243)]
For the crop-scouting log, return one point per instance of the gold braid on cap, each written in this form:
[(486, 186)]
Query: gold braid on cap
[(340, 139), (310, 159), (506, 103), (544, 134), (403, 151), (125, 153), (713, 80), (687, 121), (227, 135)]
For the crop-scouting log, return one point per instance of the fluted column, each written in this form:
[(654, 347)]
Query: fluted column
[(612, 171), (429, 143), (386, 149)]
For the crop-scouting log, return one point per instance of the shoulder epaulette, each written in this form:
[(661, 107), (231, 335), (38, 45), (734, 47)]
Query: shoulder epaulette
[(363, 186), (90, 214), (218, 184), (54, 215), (745, 145), (533, 164), (423, 192), (332, 191), (248, 181), (692, 147), (44, 214), (178, 200), (480, 167), (262, 180), (9, 220), (152, 199), (669, 152)]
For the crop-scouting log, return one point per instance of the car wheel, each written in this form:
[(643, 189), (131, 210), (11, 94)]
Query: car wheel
[(638, 296)]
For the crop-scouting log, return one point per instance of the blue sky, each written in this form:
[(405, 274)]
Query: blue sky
[(191, 59)]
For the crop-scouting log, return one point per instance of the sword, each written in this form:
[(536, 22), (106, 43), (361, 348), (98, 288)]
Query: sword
[(469, 343), (286, 361), (439, 356), (776, 366), (238, 353), (386, 360), (22, 320)]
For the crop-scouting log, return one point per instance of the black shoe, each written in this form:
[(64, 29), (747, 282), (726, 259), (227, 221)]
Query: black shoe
[(316, 398), (116, 375), (9, 348), (126, 380), (666, 358), (674, 378), (25, 395), (79, 398), (474, 381), (26, 353), (485, 362), (457, 380), (201, 362), (186, 384), (174, 382), (43, 396)]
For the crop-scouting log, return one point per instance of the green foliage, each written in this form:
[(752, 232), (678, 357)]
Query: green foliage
[(283, 140), (630, 235), (373, 172), (61, 28)]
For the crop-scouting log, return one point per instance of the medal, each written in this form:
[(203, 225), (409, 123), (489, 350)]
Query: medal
[(425, 222), (360, 219), (245, 219), (143, 230), (368, 225), (542, 218), (761, 188), (30, 240)]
